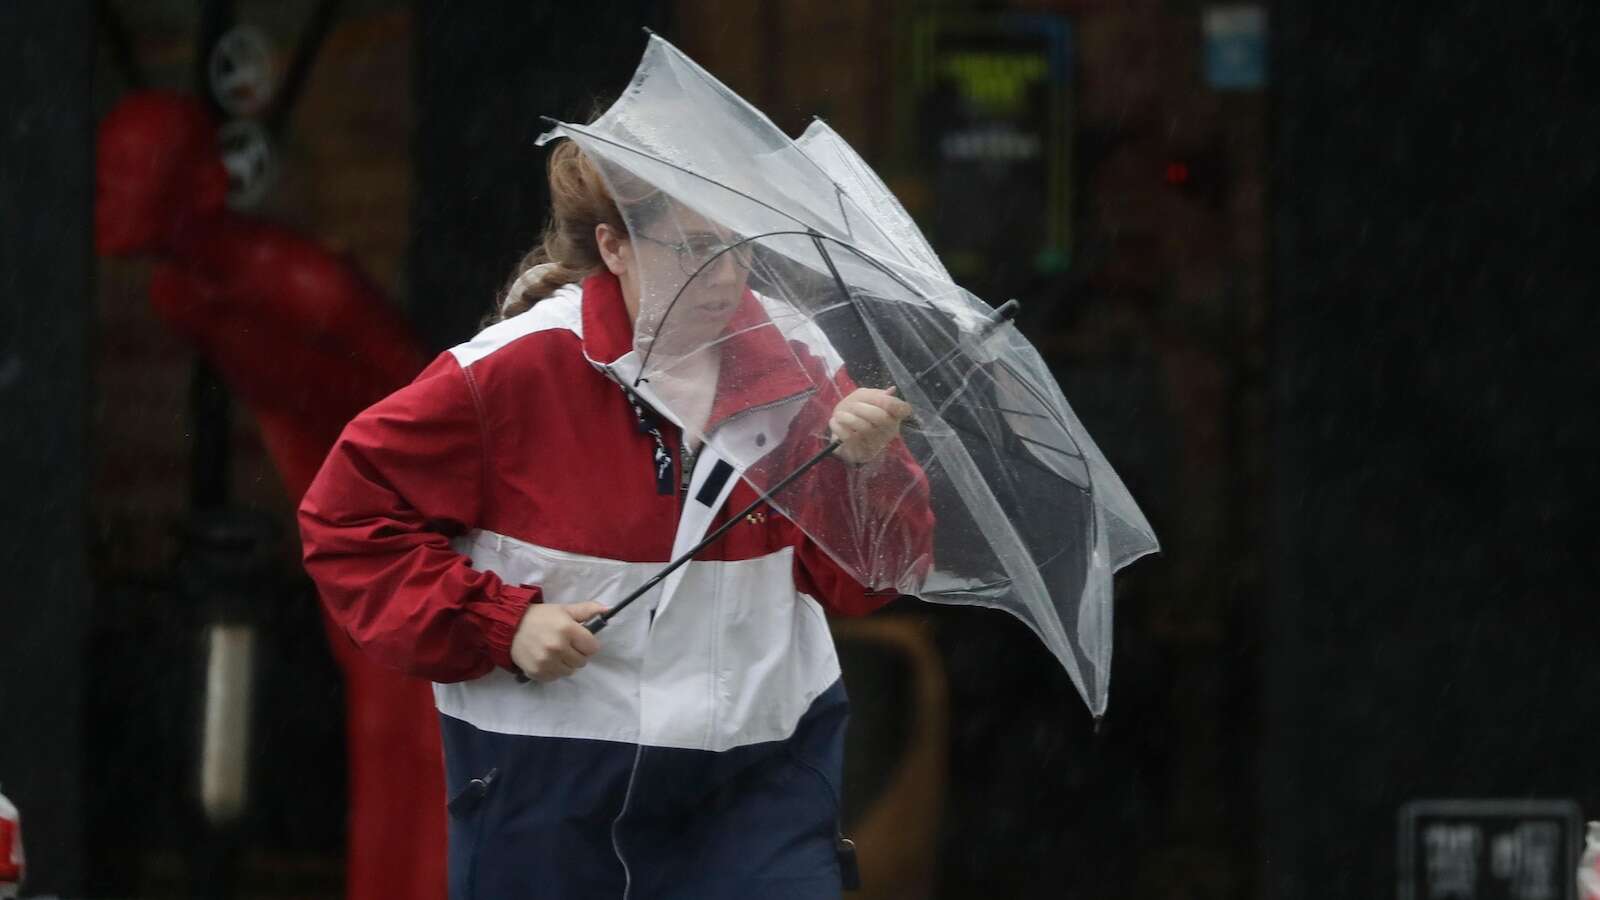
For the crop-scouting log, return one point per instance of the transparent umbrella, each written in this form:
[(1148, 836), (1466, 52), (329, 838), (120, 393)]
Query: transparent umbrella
[(775, 276)]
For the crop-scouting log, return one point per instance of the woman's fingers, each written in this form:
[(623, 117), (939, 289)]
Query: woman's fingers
[(571, 658), (876, 415), (851, 422), (551, 642), (876, 399), (582, 612), (866, 421), (550, 670), (583, 642)]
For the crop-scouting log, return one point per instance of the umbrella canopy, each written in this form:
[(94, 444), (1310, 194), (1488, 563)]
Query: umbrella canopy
[(774, 277)]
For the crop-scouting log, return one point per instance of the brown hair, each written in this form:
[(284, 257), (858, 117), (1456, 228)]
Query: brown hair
[(579, 201)]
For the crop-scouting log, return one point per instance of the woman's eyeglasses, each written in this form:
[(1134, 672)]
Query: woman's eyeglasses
[(696, 250)]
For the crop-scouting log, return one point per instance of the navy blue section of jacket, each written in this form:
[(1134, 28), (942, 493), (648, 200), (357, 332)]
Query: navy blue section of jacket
[(755, 821)]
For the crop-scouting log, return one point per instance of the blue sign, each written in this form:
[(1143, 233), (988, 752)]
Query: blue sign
[(1236, 47)]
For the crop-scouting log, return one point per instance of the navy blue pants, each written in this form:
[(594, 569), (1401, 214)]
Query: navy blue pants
[(757, 821)]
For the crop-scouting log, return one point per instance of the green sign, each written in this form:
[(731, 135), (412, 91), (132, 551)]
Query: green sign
[(987, 132)]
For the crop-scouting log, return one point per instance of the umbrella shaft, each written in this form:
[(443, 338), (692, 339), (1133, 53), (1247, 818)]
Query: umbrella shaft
[(600, 621)]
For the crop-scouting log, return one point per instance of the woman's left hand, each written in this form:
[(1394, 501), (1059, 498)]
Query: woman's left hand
[(865, 422)]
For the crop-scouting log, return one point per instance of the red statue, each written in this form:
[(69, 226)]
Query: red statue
[(306, 342)]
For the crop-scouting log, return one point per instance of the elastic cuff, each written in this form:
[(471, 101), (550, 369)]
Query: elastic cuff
[(499, 620)]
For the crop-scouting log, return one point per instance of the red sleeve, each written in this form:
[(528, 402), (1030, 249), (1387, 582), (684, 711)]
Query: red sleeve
[(404, 476), (885, 535)]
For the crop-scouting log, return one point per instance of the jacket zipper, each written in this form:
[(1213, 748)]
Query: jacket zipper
[(683, 461), (686, 463), (627, 796)]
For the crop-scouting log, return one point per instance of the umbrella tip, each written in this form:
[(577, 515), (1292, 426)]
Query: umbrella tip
[(1007, 311), (1097, 722), (648, 31)]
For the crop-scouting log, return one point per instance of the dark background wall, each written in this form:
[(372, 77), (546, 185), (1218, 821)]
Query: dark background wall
[(1432, 628), (482, 81), (46, 131)]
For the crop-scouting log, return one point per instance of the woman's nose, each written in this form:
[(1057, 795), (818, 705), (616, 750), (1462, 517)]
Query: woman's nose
[(724, 269)]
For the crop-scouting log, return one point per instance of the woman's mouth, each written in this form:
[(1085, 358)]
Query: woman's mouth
[(718, 310)]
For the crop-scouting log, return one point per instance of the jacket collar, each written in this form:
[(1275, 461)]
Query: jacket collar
[(607, 331), (757, 361)]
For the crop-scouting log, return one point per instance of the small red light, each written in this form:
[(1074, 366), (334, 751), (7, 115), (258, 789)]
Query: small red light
[(1177, 174)]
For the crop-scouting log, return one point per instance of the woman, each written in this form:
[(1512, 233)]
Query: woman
[(462, 528)]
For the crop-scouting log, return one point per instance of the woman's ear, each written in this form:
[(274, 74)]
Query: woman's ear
[(615, 249)]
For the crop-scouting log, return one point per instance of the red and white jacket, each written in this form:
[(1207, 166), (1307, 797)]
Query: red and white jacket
[(514, 470)]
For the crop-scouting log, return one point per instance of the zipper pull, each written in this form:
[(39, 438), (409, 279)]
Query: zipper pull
[(641, 420), (663, 461), (687, 471)]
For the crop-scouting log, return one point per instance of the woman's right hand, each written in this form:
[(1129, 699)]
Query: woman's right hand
[(551, 641)]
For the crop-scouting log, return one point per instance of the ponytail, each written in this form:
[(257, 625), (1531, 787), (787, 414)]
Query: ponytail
[(579, 202)]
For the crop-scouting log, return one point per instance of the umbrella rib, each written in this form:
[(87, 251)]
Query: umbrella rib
[(838, 195), (838, 280), (952, 592), (1034, 393), (1067, 453), (1038, 464), (1042, 401), (1014, 412), (867, 176), (1020, 436), (1029, 460), (1088, 470), (838, 188)]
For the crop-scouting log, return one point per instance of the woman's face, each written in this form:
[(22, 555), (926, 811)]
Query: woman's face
[(689, 277)]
